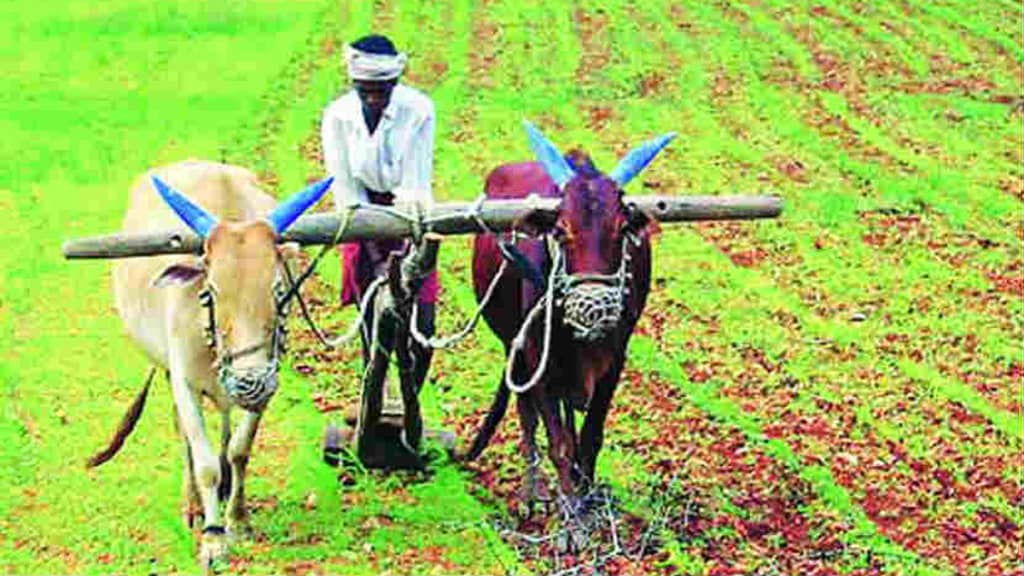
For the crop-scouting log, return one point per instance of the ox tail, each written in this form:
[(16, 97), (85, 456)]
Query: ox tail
[(490, 424), (124, 429)]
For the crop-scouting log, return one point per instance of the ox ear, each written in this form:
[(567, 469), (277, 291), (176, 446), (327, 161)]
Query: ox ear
[(178, 274), (548, 155), (638, 221), (288, 211), (199, 220), (536, 222), (638, 158)]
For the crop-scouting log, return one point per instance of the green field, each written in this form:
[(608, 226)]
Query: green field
[(835, 392)]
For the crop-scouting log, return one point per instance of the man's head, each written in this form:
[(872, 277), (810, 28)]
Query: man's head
[(374, 94), (374, 65)]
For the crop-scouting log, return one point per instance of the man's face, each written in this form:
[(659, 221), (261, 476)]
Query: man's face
[(375, 94)]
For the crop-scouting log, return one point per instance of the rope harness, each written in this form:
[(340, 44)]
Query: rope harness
[(592, 307), (248, 388), (418, 225), (440, 343)]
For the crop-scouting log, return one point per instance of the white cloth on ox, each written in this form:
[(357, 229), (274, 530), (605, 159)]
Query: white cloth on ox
[(398, 157), (369, 66)]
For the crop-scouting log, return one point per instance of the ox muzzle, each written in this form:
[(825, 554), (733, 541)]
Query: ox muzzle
[(593, 305), (250, 388)]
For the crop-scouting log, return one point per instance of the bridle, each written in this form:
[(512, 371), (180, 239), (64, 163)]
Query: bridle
[(249, 388), (593, 304)]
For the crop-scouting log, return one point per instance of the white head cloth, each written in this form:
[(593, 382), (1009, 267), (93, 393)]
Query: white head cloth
[(368, 66)]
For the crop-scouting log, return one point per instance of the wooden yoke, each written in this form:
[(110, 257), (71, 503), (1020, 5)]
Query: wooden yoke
[(369, 223)]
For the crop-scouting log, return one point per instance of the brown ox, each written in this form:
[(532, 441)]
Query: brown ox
[(214, 322), (598, 268)]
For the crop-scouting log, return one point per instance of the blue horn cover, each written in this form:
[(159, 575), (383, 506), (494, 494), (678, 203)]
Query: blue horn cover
[(638, 158), (549, 156), (288, 211), (199, 220)]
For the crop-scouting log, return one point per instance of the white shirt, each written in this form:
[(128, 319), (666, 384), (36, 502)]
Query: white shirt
[(398, 157)]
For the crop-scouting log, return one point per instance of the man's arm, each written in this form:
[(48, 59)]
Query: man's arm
[(418, 166), (335, 150)]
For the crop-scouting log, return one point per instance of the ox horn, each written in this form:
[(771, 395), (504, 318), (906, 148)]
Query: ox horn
[(199, 220), (548, 155), (638, 158), (289, 210)]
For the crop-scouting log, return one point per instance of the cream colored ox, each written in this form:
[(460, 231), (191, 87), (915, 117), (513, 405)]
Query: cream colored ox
[(213, 322)]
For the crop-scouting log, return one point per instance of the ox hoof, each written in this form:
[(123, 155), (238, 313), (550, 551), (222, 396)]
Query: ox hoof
[(597, 497), (213, 550), (532, 494), (535, 491), (577, 526), (336, 441)]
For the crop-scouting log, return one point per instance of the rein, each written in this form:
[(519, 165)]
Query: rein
[(419, 226), (545, 304)]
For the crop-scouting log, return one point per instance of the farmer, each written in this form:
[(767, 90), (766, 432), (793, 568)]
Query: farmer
[(378, 143)]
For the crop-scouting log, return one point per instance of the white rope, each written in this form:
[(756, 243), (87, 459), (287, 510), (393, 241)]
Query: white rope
[(439, 342), (353, 329), (519, 342), (443, 342)]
